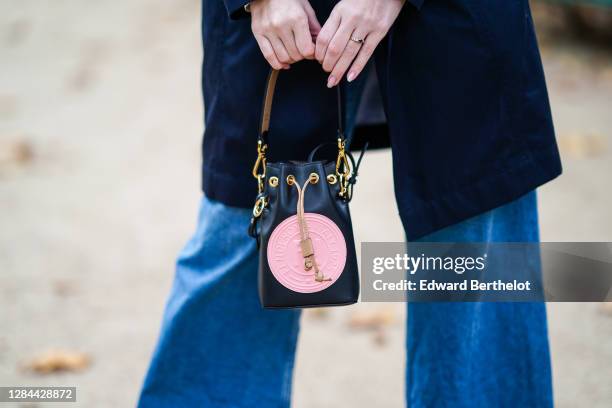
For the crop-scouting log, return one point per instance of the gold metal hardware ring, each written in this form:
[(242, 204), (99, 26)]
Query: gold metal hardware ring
[(260, 204)]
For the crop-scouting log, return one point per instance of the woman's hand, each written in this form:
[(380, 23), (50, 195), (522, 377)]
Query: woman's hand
[(284, 30), (351, 33)]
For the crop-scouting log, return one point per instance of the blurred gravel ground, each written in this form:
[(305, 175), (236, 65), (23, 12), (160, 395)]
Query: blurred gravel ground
[(100, 124)]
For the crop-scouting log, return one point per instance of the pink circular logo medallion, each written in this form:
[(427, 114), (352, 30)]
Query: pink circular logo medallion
[(285, 255)]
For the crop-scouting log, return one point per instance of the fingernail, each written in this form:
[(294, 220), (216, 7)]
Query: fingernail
[(331, 81), (350, 76)]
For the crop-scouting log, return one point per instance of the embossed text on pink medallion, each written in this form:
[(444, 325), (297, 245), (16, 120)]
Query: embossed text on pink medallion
[(285, 256)]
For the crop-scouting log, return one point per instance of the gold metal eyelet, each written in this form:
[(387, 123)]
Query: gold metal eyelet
[(290, 179), (332, 179), (313, 178), (273, 181)]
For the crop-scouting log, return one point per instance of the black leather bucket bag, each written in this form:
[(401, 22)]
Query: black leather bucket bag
[(302, 224)]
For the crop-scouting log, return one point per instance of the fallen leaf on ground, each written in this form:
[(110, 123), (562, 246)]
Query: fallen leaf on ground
[(606, 74), (58, 360), (579, 145), (318, 313), (15, 152), (64, 287), (371, 320), (606, 308)]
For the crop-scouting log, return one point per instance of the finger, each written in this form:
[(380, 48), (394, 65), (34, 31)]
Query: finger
[(325, 35), (303, 39), (313, 23), (279, 49), (288, 40), (349, 54), (336, 46), (268, 52), (366, 51)]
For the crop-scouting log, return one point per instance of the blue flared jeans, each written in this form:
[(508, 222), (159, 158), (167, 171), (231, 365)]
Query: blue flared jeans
[(219, 349)]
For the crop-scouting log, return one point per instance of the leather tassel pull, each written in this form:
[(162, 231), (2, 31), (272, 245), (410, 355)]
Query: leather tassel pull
[(319, 277), (307, 253), (306, 243)]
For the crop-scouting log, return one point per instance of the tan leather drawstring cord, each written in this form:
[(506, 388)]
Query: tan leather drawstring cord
[(305, 241)]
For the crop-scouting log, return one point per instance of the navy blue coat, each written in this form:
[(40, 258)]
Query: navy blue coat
[(464, 95)]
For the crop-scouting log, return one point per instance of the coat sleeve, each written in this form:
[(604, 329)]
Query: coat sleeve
[(235, 8)]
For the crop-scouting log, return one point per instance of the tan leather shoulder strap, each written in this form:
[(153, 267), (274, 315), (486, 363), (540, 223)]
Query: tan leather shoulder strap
[(268, 99)]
